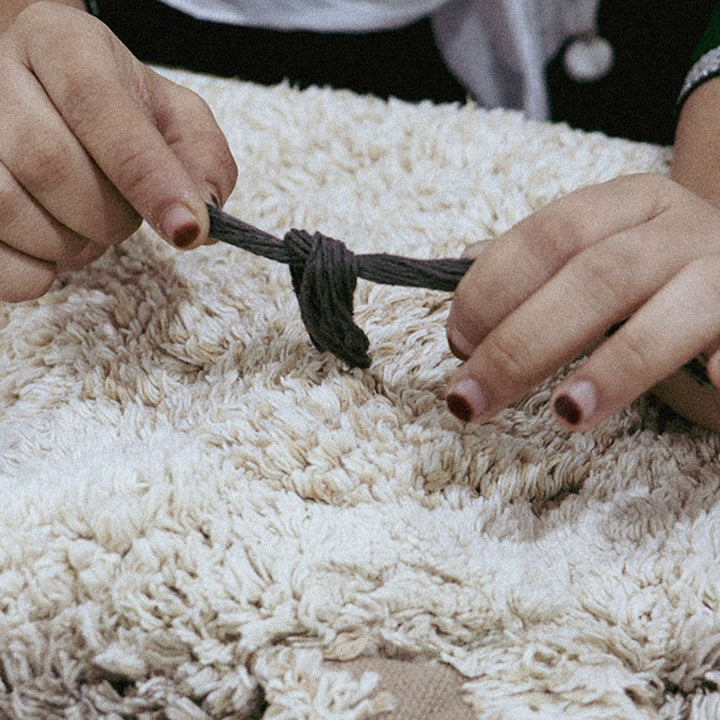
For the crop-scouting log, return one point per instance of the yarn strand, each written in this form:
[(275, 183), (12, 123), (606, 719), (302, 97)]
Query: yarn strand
[(324, 274)]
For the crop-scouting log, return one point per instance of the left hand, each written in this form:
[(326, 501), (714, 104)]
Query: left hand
[(91, 142), (641, 248)]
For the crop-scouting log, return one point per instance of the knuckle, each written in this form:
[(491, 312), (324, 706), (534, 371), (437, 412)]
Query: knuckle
[(652, 183), (506, 356), (85, 101), (657, 190), (85, 95), (210, 146), (45, 27), (179, 102), (131, 171), (555, 232), (34, 18), (200, 132), (633, 356), (43, 167), (193, 103), (605, 277)]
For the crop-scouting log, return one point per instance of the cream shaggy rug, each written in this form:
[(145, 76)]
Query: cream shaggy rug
[(203, 517)]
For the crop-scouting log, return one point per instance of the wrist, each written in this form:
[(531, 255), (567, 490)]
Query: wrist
[(696, 153)]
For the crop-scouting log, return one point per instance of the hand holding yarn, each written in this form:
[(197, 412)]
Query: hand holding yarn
[(91, 142), (639, 248), (324, 274)]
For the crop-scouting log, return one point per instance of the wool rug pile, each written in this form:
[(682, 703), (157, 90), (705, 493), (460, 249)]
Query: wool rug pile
[(204, 517)]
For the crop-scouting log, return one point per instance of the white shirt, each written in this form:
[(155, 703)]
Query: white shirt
[(497, 48)]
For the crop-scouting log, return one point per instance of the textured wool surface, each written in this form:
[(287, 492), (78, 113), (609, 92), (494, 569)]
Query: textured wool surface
[(205, 517)]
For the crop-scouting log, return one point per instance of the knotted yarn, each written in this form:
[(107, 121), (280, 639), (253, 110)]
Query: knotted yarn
[(324, 275)]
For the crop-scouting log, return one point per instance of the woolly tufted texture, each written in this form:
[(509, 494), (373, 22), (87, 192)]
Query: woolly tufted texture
[(205, 517)]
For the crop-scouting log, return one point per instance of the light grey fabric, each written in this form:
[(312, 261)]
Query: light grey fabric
[(497, 48)]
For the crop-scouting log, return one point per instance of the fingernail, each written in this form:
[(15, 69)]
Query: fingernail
[(212, 198), (180, 226), (576, 404), (459, 345), (472, 251), (466, 400)]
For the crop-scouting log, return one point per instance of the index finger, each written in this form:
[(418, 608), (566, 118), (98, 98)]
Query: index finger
[(518, 263)]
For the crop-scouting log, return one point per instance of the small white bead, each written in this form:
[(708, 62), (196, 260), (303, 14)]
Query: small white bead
[(589, 58)]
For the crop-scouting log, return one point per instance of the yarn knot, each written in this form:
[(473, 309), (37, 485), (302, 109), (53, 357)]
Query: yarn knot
[(324, 274)]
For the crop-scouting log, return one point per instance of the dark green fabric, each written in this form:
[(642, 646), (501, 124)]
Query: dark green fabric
[(653, 42), (710, 38)]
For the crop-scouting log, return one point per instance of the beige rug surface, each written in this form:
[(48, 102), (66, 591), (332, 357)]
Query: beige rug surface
[(203, 517)]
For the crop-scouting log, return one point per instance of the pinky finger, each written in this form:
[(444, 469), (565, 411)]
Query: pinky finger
[(23, 277)]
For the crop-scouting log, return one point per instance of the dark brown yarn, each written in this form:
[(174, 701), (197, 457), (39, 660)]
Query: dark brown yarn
[(324, 275)]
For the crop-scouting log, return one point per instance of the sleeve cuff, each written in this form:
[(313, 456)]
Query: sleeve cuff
[(706, 68)]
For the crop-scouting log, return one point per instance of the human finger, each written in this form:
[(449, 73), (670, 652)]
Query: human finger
[(190, 130), (565, 317), (46, 159), (29, 228), (694, 400), (104, 95), (530, 253), (474, 250), (674, 326), (91, 252), (23, 277)]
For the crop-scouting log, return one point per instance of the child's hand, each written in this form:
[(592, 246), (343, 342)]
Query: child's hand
[(639, 247), (91, 142)]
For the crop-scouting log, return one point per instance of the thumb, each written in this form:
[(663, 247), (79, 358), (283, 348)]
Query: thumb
[(473, 250)]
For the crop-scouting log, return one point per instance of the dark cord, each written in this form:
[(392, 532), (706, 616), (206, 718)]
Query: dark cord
[(324, 275)]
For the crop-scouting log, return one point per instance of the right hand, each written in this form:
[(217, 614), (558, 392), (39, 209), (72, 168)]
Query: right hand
[(640, 248), (91, 142)]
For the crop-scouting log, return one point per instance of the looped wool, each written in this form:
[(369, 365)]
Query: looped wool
[(324, 275)]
